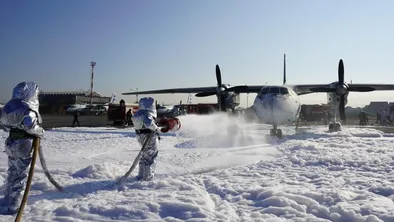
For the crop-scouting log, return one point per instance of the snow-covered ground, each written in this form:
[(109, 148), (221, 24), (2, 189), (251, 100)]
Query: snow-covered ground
[(214, 169)]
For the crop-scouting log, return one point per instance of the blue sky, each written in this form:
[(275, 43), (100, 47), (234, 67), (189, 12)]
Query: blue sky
[(164, 44)]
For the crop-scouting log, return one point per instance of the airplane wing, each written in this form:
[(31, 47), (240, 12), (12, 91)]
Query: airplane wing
[(305, 89), (174, 90), (240, 89), (379, 87), (248, 89)]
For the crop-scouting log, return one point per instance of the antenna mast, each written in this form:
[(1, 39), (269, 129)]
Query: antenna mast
[(284, 69)]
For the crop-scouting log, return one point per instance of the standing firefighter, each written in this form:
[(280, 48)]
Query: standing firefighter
[(146, 128), (22, 118), (129, 115), (145, 123)]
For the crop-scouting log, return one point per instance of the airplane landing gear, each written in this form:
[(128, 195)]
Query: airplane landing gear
[(334, 127), (276, 132)]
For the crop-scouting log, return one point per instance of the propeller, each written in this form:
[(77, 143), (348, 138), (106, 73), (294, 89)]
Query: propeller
[(342, 89), (221, 90)]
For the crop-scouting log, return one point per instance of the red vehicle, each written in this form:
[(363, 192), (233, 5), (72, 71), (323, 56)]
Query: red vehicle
[(314, 112), (117, 112), (201, 108)]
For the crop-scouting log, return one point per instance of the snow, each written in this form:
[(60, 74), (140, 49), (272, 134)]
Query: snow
[(214, 169)]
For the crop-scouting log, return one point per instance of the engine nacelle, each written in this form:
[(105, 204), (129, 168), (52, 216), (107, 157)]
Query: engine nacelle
[(169, 124), (232, 100), (333, 99)]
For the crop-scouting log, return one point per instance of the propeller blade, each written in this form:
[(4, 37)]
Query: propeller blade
[(204, 94), (341, 72), (237, 88), (322, 89), (218, 76), (342, 113), (361, 89)]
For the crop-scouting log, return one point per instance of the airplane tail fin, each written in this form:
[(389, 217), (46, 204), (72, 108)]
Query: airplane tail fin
[(284, 69), (113, 98)]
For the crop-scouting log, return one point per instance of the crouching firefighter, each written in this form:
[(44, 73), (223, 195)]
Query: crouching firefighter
[(20, 116), (147, 130)]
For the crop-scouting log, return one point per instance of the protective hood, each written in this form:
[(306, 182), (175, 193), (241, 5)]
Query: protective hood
[(148, 104), (28, 92)]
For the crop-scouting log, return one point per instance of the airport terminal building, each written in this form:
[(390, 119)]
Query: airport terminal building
[(57, 102)]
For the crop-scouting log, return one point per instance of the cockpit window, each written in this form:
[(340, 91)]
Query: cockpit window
[(265, 90), (275, 90), (284, 90)]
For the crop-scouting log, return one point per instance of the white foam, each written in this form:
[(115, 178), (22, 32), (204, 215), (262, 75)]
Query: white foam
[(216, 169)]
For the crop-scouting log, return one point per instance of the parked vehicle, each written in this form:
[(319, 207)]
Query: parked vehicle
[(117, 112), (92, 110)]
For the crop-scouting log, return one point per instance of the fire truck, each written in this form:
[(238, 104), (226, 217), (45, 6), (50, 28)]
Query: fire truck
[(182, 109), (117, 112), (314, 112), (200, 108)]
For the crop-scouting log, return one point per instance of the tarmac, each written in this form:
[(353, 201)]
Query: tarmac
[(53, 121), (385, 129)]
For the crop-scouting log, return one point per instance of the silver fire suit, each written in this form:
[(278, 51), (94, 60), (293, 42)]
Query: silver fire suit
[(21, 117), (145, 125)]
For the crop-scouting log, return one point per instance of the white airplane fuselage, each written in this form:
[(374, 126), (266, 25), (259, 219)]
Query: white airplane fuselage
[(277, 108), (75, 107), (279, 105)]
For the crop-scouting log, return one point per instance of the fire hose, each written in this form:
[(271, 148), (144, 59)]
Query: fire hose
[(46, 171), (36, 149)]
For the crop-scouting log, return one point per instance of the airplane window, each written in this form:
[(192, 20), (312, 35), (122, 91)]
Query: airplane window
[(275, 90), (284, 90), (265, 90)]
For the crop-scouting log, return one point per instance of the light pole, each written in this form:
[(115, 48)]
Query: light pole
[(136, 96), (92, 64)]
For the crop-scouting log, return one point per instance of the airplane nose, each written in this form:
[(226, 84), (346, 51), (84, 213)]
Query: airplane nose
[(274, 110), (276, 104), (272, 104)]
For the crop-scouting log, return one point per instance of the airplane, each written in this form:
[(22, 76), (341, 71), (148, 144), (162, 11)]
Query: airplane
[(112, 100), (279, 105), (75, 107)]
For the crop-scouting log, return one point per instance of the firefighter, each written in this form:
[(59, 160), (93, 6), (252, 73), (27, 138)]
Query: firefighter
[(363, 118), (378, 118), (129, 116), (146, 128), (22, 119)]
